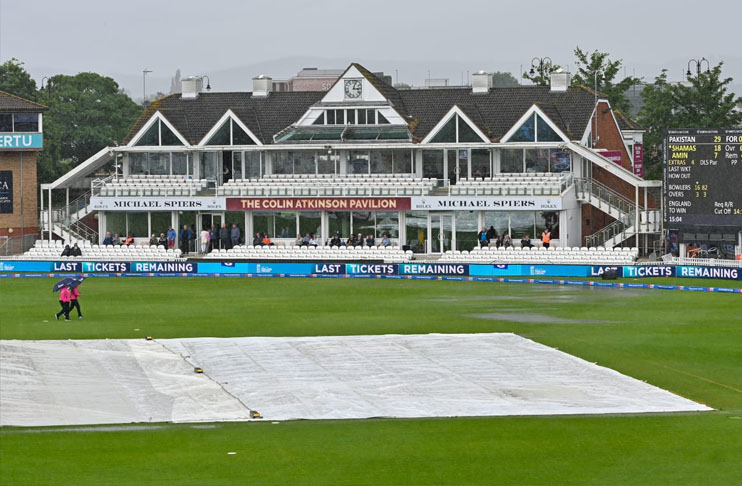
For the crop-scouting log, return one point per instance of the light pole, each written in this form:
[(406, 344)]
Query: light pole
[(540, 64), (144, 85), (595, 93), (699, 66)]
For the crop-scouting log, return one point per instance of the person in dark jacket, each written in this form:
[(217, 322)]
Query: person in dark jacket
[(491, 233), (224, 236), (185, 237), (234, 235), (214, 237), (75, 251), (66, 251)]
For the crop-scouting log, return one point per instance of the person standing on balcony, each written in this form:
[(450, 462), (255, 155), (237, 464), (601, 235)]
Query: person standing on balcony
[(171, 238), (234, 235), (185, 237), (224, 236), (205, 239)]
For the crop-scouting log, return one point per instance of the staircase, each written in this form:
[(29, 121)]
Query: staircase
[(618, 207), (67, 221)]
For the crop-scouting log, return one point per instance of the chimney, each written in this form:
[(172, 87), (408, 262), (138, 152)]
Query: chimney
[(262, 86), (191, 87), (481, 82), (560, 80)]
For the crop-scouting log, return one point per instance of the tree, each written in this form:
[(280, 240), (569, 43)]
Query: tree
[(541, 75), (86, 113), (15, 80), (175, 82), (501, 79), (599, 69), (702, 103)]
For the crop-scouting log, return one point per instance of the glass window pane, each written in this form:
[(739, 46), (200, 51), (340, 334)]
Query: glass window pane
[(550, 218), (497, 220), (433, 164), (320, 120), (211, 163), (180, 163), (151, 137), (240, 136), (371, 117), (480, 163), (137, 224), (537, 160), (340, 117), (381, 162), (511, 160), (160, 222), (252, 165), (402, 161), (339, 223), (326, 164), (236, 165), (6, 122), (381, 119), (447, 133), (262, 222), (283, 162), (310, 222), (526, 132), (358, 162), (26, 122), (545, 132), (362, 117), (350, 116), (467, 133), (116, 222), (221, 137), (560, 160), (466, 230), (387, 222), (304, 163), (159, 163), (521, 224), (138, 163), (168, 137), (364, 222), (416, 230), (285, 225)]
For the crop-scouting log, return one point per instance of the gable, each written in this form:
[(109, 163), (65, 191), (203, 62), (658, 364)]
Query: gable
[(353, 87), (534, 126)]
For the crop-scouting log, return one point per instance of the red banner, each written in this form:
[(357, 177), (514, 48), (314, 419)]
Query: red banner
[(614, 156), (318, 203), (639, 160)]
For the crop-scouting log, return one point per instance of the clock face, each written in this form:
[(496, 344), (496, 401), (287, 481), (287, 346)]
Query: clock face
[(353, 88)]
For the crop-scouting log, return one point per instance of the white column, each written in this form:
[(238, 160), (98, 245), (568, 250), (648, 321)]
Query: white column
[(50, 214)]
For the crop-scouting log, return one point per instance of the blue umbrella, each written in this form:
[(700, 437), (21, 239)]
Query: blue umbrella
[(65, 282), (76, 281)]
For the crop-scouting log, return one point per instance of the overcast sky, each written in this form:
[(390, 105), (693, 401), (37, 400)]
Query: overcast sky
[(121, 39)]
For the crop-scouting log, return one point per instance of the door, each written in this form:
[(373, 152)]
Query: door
[(440, 232)]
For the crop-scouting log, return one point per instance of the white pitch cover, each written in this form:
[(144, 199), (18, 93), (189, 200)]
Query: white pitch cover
[(343, 377)]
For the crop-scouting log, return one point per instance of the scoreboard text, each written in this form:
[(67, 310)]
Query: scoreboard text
[(703, 179)]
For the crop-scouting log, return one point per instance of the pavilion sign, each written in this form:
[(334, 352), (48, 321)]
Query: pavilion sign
[(318, 204), (517, 203)]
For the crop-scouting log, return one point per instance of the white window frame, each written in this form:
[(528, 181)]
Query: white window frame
[(455, 110)]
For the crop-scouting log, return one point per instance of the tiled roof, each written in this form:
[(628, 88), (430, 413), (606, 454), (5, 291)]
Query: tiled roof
[(626, 123), (10, 103), (494, 112)]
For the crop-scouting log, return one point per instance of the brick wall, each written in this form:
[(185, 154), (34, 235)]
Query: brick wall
[(12, 161)]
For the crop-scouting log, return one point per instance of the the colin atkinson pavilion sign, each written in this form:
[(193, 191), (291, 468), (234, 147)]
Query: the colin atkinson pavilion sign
[(517, 203), (318, 203), (157, 203)]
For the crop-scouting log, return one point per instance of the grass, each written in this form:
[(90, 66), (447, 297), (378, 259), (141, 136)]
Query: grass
[(686, 342)]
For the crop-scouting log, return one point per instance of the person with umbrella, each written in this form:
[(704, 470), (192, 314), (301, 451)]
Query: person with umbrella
[(75, 294), (64, 300)]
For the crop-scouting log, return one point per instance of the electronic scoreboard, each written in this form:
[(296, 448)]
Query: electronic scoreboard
[(703, 179)]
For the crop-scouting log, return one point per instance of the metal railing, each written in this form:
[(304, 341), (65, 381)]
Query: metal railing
[(616, 228), (604, 194)]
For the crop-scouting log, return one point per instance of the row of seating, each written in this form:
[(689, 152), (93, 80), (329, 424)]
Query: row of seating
[(511, 190), (390, 254), (44, 250), (312, 190), (575, 255)]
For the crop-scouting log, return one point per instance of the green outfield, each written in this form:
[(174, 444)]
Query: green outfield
[(687, 342)]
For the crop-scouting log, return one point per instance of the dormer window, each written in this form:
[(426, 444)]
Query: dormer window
[(535, 129), (158, 134), (351, 116)]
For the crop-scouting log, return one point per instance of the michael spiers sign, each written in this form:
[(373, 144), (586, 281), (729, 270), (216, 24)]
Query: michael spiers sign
[(158, 203), (503, 203)]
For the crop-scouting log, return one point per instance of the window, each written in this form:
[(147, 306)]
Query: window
[(350, 116), (456, 130), (402, 161), (275, 224), (480, 163), (230, 133), (526, 132), (416, 229), (158, 135), (560, 160), (358, 162), (180, 164), (330, 115), (382, 162), (537, 160), (381, 119), (138, 163), (362, 117), (6, 122), (304, 163), (26, 122), (283, 163), (320, 120), (511, 160), (339, 223), (310, 222), (253, 166), (327, 163), (159, 163), (535, 129)]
